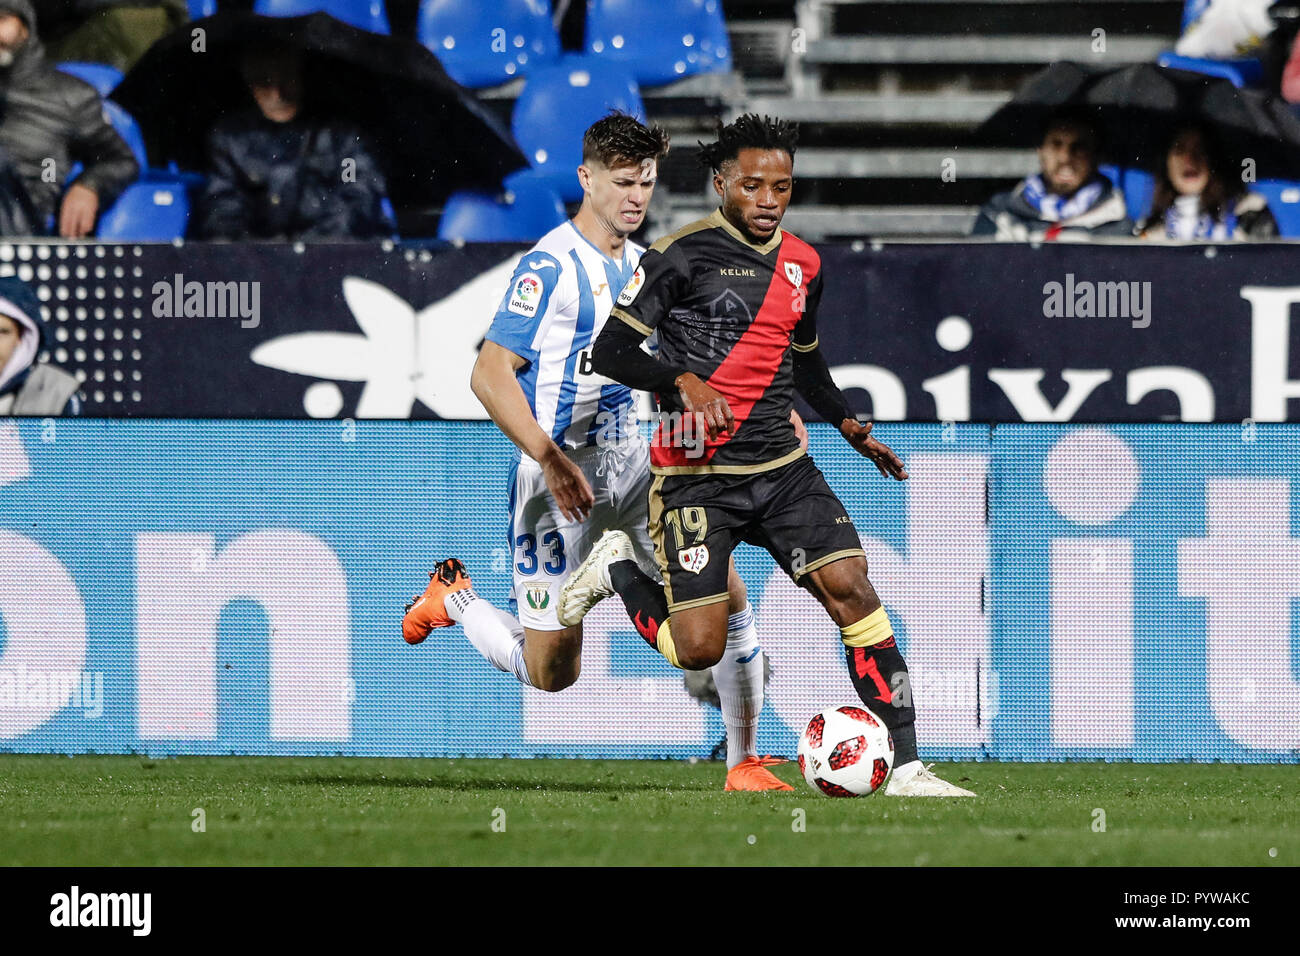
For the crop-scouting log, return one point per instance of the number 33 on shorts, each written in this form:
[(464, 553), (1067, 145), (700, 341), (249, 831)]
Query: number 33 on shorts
[(552, 559)]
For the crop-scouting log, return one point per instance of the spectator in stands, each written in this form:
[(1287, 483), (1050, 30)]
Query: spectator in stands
[(1197, 197), (116, 32), (284, 170), (51, 120), (1068, 198), (28, 386)]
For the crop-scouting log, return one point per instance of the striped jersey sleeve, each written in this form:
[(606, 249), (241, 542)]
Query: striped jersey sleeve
[(534, 295)]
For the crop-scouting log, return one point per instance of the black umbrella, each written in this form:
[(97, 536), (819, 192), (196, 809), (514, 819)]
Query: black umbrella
[(1022, 119), (431, 136), (1138, 109)]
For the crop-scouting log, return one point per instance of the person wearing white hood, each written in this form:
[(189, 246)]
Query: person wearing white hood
[(28, 386)]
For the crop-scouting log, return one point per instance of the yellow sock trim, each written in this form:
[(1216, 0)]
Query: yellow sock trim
[(872, 629), (664, 641)]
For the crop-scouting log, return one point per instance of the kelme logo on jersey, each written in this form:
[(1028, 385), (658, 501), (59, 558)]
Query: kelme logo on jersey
[(538, 596), (526, 294), (694, 559), (632, 288), (794, 272)]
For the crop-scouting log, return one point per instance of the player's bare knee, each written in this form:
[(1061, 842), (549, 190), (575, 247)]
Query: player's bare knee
[(697, 658), (697, 652)]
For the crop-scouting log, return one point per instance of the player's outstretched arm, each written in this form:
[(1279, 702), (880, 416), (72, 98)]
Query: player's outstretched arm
[(812, 379), (494, 383)]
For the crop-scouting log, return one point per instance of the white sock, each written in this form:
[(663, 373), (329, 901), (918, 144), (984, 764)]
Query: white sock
[(496, 635), (739, 679)]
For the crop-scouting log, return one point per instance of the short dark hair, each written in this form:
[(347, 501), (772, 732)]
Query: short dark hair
[(1074, 117), (622, 140), (750, 131)]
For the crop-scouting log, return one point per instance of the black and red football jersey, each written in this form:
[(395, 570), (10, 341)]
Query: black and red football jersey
[(730, 311)]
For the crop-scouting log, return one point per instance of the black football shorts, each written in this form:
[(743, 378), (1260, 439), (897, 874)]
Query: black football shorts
[(696, 521)]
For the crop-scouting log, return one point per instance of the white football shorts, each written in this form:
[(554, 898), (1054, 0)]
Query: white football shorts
[(547, 547)]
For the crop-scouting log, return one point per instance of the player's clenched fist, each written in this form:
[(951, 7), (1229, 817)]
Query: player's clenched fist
[(708, 404), (859, 436), (568, 485)]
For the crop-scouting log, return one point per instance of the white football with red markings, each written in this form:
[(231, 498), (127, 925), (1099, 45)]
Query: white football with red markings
[(846, 751)]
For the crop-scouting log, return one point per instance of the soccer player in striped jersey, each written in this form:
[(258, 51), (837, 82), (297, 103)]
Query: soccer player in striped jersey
[(582, 466)]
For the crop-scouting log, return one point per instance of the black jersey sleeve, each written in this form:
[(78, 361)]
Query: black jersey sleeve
[(812, 377), (662, 278), (617, 354)]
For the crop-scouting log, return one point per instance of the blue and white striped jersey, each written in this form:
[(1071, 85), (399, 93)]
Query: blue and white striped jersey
[(559, 298)]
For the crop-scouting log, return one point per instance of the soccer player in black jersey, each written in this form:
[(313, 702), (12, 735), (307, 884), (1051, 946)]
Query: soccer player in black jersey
[(734, 300)]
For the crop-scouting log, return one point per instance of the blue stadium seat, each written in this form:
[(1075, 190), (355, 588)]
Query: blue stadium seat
[(367, 14), (529, 210), (101, 76), (390, 216), (1241, 72), (662, 41), (1116, 177), (1283, 197), (202, 8), (104, 78), (155, 211), (128, 129), (1136, 185), (555, 108), (478, 46)]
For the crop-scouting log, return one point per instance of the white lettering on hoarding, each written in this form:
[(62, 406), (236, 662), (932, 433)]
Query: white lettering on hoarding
[(183, 586)]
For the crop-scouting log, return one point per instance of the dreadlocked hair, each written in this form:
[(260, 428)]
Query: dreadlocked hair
[(750, 131), (622, 140)]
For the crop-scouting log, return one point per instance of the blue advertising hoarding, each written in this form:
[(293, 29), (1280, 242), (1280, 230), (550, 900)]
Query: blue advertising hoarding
[(1060, 592)]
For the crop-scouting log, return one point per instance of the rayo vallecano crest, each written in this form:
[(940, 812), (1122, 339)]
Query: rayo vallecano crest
[(794, 272)]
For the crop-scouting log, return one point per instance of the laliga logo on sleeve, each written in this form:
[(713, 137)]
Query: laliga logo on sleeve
[(526, 294), (694, 559), (632, 288), (794, 272)]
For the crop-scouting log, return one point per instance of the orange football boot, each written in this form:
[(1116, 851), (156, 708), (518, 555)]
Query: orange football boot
[(751, 774), (427, 611)]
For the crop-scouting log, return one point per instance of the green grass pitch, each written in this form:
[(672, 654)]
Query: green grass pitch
[(105, 811)]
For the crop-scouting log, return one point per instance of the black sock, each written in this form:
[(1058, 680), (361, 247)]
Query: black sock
[(643, 598), (879, 675)]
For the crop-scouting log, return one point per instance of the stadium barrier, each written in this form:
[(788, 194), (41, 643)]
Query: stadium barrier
[(1061, 592), (916, 331)]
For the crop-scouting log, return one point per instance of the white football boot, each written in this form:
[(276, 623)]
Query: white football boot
[(915, 780), (589, 585)]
